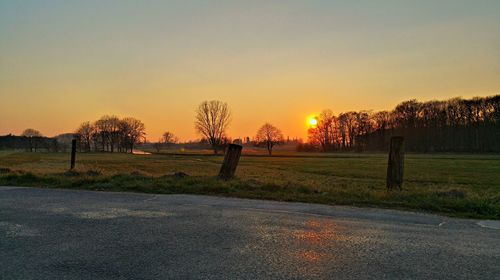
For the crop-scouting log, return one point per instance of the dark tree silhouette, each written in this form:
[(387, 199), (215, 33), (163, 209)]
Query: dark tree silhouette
[(131, 132), (269, 136), (212, 119), (86, 135), (325, 130), (110, 134), (168, 138), (108, 128)]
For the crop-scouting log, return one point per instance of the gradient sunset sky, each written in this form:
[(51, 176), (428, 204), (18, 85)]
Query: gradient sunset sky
[(65, 62)]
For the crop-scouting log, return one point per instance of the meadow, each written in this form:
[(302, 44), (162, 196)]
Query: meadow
[(453, 184)]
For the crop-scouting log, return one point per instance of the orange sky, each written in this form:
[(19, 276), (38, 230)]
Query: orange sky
[(62, 63)]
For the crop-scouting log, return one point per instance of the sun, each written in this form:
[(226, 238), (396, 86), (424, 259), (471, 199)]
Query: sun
[(312, 121)]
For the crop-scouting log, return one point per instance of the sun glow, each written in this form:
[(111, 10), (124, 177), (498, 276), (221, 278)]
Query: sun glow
[(312, 122)]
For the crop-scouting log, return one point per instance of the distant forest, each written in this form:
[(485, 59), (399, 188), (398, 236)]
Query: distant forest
[(454, 125), (36, 143)]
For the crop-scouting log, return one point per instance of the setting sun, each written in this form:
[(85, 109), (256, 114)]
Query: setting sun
[(312, 121)]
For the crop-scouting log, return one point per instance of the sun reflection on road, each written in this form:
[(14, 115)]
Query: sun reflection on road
[(316, 232), (313, 239)]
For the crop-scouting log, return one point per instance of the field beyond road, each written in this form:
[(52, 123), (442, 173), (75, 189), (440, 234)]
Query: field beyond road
[(456, 185)]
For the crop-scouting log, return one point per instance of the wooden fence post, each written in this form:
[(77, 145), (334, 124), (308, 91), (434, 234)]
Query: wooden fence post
[(73, 154), (230, 163), (395, 167)]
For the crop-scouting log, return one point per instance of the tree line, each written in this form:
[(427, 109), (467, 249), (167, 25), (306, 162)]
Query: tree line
[(454, 125), (110, 134), (32, 140)]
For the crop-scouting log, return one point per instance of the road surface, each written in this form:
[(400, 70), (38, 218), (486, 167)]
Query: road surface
[(65, 234)]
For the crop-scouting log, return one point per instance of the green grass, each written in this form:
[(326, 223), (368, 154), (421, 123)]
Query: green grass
[(456, 185)]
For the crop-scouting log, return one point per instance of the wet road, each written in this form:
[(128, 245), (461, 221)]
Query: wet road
[(63, 234)]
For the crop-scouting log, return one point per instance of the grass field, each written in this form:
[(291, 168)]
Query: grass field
[(456, 185)]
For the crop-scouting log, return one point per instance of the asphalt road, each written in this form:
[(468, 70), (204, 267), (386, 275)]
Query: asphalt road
[(63, 234)]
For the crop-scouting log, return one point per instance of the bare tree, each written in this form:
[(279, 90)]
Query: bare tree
[(33, 135), (111, 134), (132, 132), (169, 138), (212, 120), (269, 136), (382, 120), (86, 133), (352, 127), (108, 127), (406, 113), (326, 133)]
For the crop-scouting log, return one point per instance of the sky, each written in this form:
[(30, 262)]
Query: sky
[(66, 62)]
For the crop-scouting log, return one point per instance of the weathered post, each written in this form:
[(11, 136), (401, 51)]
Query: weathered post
[(395, 167), (73, 153), (230, 163)]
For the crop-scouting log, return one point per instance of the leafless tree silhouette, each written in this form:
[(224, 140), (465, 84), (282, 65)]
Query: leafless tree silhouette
[(169, 138), (269, 136), (131, 132), (111, 134), (212, 119), (108, 127), (86, 133)]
